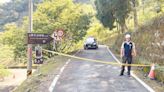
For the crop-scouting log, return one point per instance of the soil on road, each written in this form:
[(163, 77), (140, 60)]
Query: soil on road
[(84, 76)]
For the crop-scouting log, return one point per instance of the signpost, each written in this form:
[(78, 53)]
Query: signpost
[(40, 38), (37, 38), (57, 36), (60, 33)]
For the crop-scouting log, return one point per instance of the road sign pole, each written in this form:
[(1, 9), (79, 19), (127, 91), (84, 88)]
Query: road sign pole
[(29, 64), (54, 44)]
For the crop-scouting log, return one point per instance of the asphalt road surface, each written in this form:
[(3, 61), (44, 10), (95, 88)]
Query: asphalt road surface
[(83, 76)]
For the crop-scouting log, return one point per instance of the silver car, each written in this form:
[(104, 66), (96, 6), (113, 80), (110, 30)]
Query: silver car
[(90, 43)]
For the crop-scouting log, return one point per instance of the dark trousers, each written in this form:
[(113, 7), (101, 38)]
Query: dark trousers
[(124, 61)]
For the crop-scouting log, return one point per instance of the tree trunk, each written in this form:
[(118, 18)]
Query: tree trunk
[(125, 27), (135, 20), (143, 7), (135, 15), (122, 27)]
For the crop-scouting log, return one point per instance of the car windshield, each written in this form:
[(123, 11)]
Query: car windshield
[(90, 40)]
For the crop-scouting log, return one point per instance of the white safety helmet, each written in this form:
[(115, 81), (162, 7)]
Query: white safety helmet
[(127, 36)]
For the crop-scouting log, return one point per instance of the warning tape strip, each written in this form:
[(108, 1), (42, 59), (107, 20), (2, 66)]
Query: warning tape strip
[(97, 61)]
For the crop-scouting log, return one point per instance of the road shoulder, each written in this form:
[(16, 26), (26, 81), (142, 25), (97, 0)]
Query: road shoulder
[(151, 85), (42, 78)]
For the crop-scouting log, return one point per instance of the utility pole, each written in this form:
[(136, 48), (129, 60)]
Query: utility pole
[(29, 50)]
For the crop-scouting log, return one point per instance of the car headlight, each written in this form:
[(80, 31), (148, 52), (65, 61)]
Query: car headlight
[(94, 43)]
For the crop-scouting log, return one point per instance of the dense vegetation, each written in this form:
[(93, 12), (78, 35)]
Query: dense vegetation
[(48, 17), (116, 13), (14, 11), (110, 11)]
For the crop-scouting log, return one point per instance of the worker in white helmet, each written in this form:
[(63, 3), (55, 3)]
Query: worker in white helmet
[(127, 52)]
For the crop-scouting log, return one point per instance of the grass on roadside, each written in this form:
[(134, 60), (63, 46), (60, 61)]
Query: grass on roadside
[(3, 72), (32, 83)]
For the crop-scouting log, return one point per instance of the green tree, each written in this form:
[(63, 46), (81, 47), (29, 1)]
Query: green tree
[(73, 18), (14, 11), (51, 15), (15, 36), (110, 11)]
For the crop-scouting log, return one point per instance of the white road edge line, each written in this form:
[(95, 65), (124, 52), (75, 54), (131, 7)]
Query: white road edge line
[(51, 88), (133, 75), (53, 84)]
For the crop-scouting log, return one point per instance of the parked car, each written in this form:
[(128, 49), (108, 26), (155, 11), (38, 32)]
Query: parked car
[(90, 43)]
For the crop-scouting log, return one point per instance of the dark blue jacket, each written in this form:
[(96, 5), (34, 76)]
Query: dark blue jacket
[(128, 47)]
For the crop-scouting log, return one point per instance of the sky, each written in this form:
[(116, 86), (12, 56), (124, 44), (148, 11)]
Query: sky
[(4, 1)]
